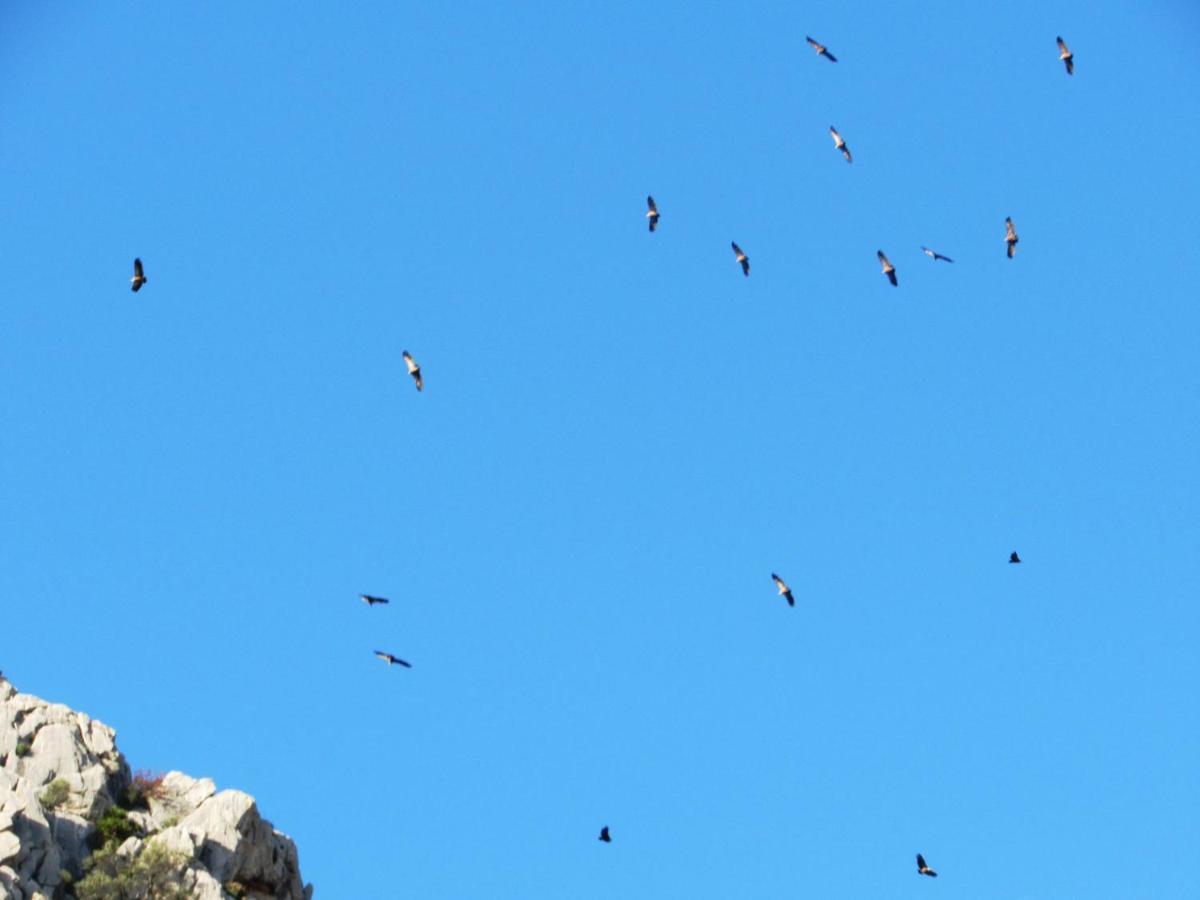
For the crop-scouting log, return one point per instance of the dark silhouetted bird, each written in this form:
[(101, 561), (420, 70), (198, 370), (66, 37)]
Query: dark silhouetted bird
[(821, 49), (392, 660), (413, 369), (604, 836), (1010, 237), (1066, 56), (888, 269), (839, 144), (652, 212), (139, 276), (371, 601), (784, 591), (934, 255), (924, 869), (1013, 558), (741, 257)]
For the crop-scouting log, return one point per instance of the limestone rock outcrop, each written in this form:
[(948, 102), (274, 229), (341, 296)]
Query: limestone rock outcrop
[(61, 773)]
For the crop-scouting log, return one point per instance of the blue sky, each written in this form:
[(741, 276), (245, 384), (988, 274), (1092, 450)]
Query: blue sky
[(620, 437)]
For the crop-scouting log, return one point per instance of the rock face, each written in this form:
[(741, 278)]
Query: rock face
[(60, 771)]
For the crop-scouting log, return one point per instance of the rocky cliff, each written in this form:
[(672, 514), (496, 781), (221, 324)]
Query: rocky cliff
[(76, 823)]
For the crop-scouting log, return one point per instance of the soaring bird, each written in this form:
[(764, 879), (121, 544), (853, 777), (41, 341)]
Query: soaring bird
[(1066, 56), (839, 144), (741, 257), (392, 660), (604, 836), (924, 869), (888, 269), (821, 49), (1010, 238), (1013, 558), (652, 213), (413, 369), (139, 276), (371, 601), (784, 591), (934, 255)]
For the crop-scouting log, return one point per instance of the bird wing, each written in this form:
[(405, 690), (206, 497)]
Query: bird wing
[(1070, 61), (137, 268), (814, 44), (829, 56), (737, 251), (1062, 47), (932, 254), (650, 204), (837, 138), (779, 583), (883, 259), (938, 256), (386, 657), (921, 862), (402, 662), (1010, 232)]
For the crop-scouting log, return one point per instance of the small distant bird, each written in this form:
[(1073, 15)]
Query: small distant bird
[(839, 144), (821, 49), (924, 869), (934, 255), (413, 369), (604, 836), (888, 269), (784, 591), (371, 601), (1013, 558), (392, 660), (1010, 237), (139, 276), (741, 257), (1066, 56), (652, 213)]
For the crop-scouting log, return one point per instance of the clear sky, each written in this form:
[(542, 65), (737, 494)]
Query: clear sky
[(620, 437)]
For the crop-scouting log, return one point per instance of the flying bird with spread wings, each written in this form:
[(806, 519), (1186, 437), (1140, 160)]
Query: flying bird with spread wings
[(1067, 57), (139, 276), (934, 255), (604, 836), (784, 591), (821, 49), (652, 213), (1013, 557), (888, 269), (413, 369), (371, 601), (924, 869), (392, 660), (839, 144), (741, 257), (1010, 237)]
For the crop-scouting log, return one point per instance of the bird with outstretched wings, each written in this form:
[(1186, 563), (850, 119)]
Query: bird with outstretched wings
[(784, 591), (1013, 557), (392, 660), (923, 869), (604, 835), (139, 276), (934, 255), (652, 213), (1067, 57), (840, 144), (371, 601), (413, 369), (1010, 237), (821, 49), (741, 257), (888, 269)]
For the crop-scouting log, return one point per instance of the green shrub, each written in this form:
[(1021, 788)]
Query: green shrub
[(154, 874), (23, 749), (144, 786), (112, 828), (55, 794)]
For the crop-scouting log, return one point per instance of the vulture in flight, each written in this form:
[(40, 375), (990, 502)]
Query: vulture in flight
[(1010, 237), (413, 369), (821, 49), (1013, 558), (139, 276), (1066, 56), (604, 835), (923, 869), (392, 660), (652, 213), (839, 144), (934, 255), (888, 269), (371, 601), (741, 257), (784, 591)]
